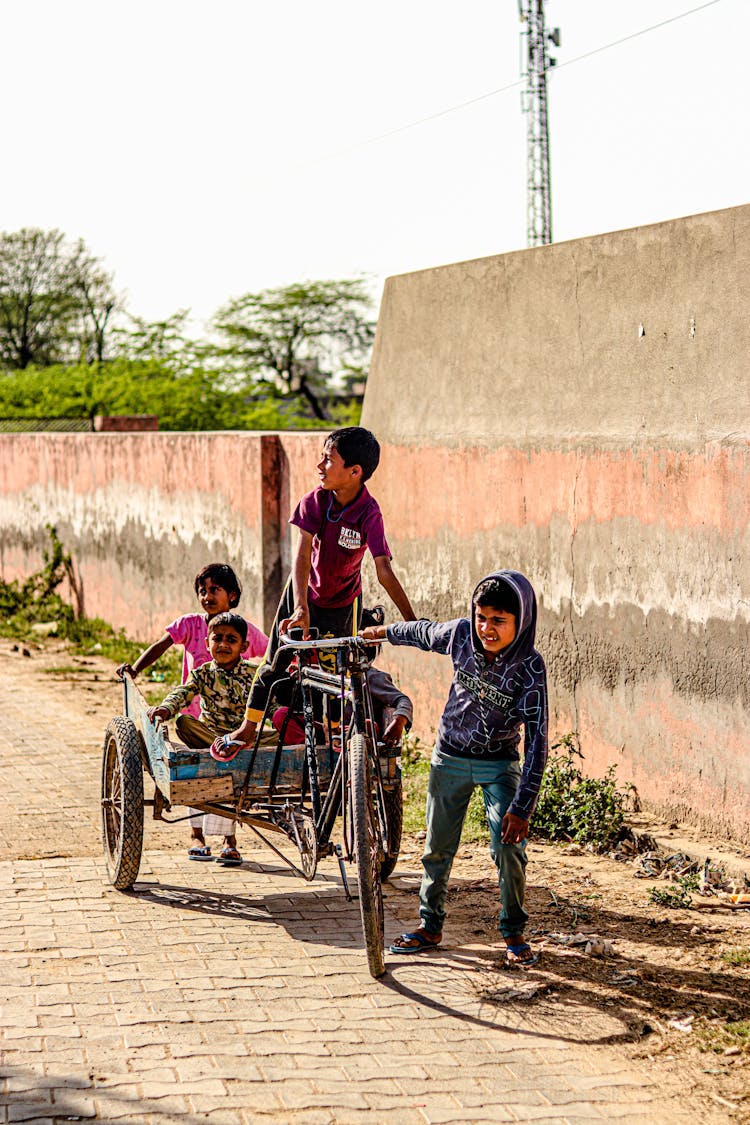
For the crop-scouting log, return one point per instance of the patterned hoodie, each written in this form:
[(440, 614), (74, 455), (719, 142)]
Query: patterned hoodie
[(490, 700)]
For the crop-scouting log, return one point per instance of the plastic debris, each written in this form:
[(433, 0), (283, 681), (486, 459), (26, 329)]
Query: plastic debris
[(624, 978), (598, 947), (684, 1025), (44, 628)]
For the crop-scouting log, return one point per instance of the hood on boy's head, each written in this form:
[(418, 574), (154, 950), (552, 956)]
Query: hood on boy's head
[(523, 593)]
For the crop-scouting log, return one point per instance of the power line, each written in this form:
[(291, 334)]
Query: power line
[(636, 34), (504, 89)]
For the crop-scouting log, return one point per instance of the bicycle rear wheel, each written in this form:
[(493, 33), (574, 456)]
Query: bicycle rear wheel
[(368, 853)]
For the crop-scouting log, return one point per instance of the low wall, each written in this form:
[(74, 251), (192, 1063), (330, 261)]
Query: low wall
[(142, 513)]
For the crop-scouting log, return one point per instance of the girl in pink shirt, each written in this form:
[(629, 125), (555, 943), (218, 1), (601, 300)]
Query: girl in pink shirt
[(218, 590)]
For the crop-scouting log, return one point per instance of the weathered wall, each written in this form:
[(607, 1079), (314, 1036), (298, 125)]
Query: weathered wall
[(142, 513), (581, 412)]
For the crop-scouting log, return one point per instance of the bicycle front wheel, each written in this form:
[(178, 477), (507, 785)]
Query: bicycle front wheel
[(367, 852)]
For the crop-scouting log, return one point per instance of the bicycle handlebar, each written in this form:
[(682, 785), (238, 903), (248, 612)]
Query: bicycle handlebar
[(326, 642)]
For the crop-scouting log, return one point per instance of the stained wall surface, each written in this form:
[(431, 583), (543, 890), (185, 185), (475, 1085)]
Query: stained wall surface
[(579, 411), (142, 513)]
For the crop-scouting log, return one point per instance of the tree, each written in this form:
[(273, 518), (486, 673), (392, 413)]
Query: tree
[(299, 337), (55, 300), (163, 341), (98, 304)]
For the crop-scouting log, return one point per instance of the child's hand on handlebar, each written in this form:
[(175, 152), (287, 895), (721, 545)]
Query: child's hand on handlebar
[(372, 633), (300, 619)]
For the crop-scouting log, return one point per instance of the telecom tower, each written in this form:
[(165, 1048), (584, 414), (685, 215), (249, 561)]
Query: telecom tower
[(535, 63)]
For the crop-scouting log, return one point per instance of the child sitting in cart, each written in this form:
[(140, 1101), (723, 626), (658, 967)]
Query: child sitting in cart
[(218, 591), (222, 685)]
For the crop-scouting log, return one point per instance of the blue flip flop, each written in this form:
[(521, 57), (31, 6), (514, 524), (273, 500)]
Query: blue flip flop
[(229, 857), (515, 960), (421, 944), (201, 852)]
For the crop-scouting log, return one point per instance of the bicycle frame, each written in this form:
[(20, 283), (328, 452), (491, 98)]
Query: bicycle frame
[(350, 687)]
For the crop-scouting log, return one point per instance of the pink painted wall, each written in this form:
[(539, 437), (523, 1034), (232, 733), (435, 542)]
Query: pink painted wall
[(142, 513)]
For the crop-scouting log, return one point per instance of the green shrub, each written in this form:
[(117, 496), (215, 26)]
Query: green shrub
[(675, 896), (36, 599), (577, 808)]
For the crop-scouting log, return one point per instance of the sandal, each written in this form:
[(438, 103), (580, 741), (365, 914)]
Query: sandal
[(200, 852), (416, 942), (519, 956), (224, 749), (229, 857)]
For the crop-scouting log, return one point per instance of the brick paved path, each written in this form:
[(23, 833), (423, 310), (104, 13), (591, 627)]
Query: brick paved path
[(236, 996)]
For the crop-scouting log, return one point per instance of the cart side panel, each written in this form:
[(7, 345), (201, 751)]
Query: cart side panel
[(157, 747), (195, 765), (184, 775)]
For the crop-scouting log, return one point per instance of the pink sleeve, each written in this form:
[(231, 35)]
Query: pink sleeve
[(179, 630), (257, 641)]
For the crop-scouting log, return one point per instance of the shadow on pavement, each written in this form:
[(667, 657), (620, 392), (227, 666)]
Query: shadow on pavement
[(74, 1097)]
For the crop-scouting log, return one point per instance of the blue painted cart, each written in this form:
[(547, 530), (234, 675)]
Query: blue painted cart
[(301, 791)]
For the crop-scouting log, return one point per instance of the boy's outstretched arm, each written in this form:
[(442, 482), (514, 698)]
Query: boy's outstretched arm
[(176, 699), (393, 587), (148, 657), (300, 618)]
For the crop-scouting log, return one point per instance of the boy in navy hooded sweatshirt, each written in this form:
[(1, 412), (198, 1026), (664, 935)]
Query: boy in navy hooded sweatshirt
[(499, 686)]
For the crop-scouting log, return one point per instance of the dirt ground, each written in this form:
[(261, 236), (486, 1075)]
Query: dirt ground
[(676, 980)]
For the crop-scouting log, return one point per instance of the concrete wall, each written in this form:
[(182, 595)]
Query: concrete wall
[(582, 412), (579, 411), (142, 513)]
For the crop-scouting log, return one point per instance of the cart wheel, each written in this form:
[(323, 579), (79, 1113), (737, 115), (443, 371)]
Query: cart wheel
[(394, 819), (122, 803), (368, 854)]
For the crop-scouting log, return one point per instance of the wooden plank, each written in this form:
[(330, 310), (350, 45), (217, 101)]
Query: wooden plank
[(201, 789)]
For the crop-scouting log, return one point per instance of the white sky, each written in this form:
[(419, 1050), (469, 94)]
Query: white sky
[(205, 150)]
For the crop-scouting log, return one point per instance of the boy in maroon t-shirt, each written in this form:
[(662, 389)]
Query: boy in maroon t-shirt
[(338, 522)]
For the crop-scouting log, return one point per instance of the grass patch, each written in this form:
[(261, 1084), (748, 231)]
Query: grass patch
[(415, 766), (718, 1037), (36, 600), (738, 957)]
